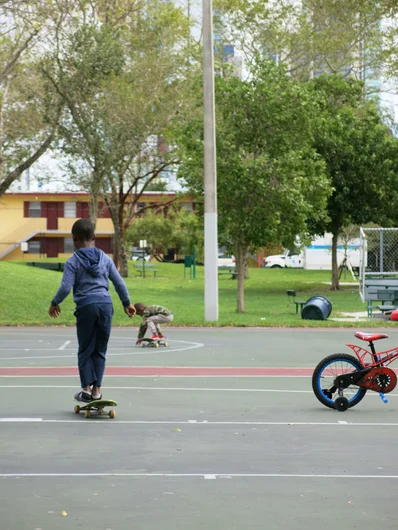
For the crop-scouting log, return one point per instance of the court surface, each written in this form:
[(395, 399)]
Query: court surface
[(220, 430)]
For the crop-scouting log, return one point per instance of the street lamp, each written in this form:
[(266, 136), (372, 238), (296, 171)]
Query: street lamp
[(210, 168)]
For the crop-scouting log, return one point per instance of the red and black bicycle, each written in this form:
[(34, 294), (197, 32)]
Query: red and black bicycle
[(340, 381)]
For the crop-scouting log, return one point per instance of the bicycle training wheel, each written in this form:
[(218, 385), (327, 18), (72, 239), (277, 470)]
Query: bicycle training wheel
[(326, 372)]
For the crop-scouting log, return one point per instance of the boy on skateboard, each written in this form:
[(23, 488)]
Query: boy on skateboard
[(88, 271), (152, 316)]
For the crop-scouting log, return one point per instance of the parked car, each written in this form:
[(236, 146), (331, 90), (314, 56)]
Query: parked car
[(139, 255), (225, 260)]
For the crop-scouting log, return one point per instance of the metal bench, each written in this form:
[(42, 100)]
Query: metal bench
[(387, 294), (48, 265), (228, 269), (387, 309), (147, 268)]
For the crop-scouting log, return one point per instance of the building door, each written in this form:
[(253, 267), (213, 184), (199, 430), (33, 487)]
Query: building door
[(52, 247), (50, 210)]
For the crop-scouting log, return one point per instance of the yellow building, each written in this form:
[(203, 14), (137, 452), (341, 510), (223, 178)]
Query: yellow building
[(34, 225)]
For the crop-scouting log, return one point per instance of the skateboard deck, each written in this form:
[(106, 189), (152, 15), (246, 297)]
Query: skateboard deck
[(154, 343), (97, 406)]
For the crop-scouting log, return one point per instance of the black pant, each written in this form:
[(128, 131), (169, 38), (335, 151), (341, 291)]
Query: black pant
[(93, 322)]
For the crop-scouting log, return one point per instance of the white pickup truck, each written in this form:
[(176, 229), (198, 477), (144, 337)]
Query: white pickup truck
[(287, 259)]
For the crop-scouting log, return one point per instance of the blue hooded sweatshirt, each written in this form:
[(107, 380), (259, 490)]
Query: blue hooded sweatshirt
[(87, 271)]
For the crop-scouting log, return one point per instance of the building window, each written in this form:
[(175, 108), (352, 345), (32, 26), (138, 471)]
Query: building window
[(68, 245), (187, 206), (34, 209), (70, 209), (140, 208), (34, 247), (83, 210)]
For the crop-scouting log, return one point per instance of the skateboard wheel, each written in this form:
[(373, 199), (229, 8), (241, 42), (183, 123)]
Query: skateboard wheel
[(112, 414), (76, 409), (156, 345), (165, 344), (143, 345), (87, 414)]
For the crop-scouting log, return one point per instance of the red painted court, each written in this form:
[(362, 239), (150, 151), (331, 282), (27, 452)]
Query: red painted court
[(161, 371)]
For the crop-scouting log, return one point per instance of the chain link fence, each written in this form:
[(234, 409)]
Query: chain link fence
[(378, 273)]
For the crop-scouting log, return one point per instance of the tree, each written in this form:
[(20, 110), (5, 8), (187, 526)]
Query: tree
[(122, 85), (27, 125), (157, 185), (361, 159), (308, 35), (178, 229), (269, 178)]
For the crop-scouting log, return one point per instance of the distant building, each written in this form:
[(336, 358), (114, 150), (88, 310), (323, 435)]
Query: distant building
[(37, 225)]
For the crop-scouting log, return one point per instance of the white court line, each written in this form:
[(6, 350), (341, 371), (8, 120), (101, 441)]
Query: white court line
[(195, 475), (194, 346), (156, 376), (115, 354), (185, 389), (64, 345), (23, 420), (205, 422)]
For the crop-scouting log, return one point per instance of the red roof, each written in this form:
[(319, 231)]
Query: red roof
[(80, 193)]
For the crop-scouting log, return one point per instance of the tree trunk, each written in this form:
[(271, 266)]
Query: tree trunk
[(335, 269), (116, 248), (94, 209), (241, 262), (114, 211), (124, 262)]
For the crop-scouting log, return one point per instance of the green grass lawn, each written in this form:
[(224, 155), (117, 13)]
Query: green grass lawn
[(26, 293)]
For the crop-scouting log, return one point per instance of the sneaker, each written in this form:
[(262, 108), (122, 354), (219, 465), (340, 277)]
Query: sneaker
[(160, 336), (83, 396), (155, 337)]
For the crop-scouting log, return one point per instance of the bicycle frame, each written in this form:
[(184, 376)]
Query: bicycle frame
[(372, 359)]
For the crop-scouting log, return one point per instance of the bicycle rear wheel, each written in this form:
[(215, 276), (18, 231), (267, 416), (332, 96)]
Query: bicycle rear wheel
[(326, 372)]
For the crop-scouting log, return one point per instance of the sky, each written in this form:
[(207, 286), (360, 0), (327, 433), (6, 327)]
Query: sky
[(47, 176)]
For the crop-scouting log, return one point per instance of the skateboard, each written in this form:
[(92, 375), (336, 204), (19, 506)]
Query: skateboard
[(97, 406), (153, 343)]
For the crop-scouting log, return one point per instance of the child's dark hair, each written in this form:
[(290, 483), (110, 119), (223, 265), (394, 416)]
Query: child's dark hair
[(83, 230), (139, 306)]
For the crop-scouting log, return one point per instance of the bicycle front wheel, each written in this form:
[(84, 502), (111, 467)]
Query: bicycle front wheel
[(326, 372)]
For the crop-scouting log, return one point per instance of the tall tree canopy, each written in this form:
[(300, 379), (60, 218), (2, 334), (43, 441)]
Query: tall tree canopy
[(270, 180), (361, 157)]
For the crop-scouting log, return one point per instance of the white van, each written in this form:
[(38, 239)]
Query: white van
[(317, 255)]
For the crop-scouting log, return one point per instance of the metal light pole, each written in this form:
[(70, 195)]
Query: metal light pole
[(210, 168)]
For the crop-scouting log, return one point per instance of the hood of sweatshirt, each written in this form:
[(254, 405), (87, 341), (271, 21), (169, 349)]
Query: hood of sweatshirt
[(91, 259)]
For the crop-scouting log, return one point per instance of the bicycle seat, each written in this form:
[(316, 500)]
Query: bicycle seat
[(370, 337)]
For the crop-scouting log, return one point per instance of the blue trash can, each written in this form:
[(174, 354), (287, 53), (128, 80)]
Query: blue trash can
[(316, 308)]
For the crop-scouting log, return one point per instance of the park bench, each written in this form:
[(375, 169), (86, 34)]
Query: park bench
[(228, 269), (48, 265), (388, 295), (148, 268)]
